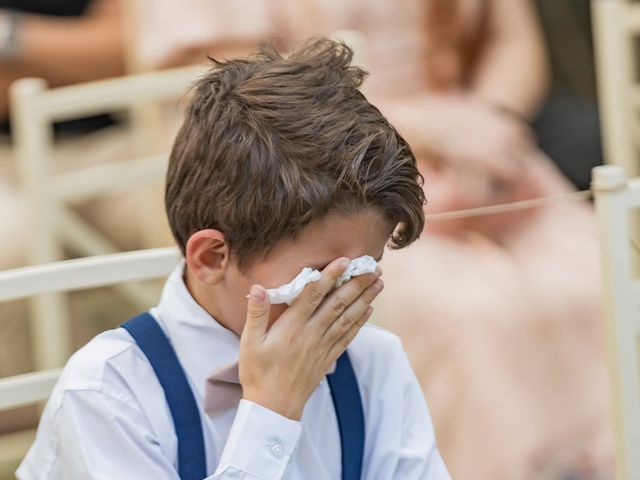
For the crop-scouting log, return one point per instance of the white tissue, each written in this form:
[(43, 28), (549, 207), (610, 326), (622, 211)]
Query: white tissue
[(287, 293), (358, 266)]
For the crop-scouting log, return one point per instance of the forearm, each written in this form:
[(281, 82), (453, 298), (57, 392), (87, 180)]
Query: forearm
[(512, 76), (512, 71), (70, 50)]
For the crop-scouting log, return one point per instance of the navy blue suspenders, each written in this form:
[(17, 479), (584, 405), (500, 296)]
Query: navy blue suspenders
[(348, 405), (186, 415), (192, 463)]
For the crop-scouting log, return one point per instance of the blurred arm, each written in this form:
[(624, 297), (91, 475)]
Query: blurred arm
[(68, 50), (512, 71)]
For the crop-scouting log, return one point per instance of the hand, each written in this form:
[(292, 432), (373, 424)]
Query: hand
[(486, 140), (454, 189), (280, 367)]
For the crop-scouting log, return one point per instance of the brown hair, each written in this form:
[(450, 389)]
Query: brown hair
[(271, 143)]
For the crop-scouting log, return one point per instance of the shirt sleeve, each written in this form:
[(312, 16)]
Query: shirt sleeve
[(100, 437), (259, 446)]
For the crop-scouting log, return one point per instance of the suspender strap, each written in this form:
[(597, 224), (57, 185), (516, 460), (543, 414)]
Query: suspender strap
[(192, 463), (184, 410), (348, 404)]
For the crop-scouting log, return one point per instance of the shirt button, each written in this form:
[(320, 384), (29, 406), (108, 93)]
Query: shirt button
[(277, 450)]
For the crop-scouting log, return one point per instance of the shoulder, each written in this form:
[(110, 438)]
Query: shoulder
[(376, 353), (379, 339), (400, 437), (111, 363), (106, 386), (385, 377)]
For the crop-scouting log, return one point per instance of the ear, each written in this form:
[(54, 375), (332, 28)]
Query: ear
[(207, 255)]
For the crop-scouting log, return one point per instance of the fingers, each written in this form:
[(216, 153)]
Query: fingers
[(353, 311), (341, 344), (314, 293), (341, 299), (258, 307)]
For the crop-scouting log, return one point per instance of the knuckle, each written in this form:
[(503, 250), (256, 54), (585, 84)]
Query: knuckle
[(370, 294), (364, 281), (338, 305), (346, 320), (368, 278), (315, 296), (254, 313)]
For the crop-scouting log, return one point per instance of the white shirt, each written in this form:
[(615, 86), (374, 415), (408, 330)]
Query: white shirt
[(107, 417)]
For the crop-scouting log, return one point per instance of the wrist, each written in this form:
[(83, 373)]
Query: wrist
[(287, 407)]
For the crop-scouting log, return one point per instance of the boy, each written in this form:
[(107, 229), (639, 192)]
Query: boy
[(281, 163)]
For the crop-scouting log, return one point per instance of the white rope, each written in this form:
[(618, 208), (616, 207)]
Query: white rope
[(511, 206), (515, 206)]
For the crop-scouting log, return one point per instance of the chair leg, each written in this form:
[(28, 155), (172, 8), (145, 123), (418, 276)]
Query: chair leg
[(50, 331)]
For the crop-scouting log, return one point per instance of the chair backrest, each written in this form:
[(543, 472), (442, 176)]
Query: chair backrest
[(616, 28), (616, 200), (616, 33), (53, 224), (69, 275)]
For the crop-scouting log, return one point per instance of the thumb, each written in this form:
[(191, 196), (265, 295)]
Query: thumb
[(258, 309)]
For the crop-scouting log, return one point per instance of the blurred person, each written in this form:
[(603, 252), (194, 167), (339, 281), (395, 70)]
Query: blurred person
[(516, 359)]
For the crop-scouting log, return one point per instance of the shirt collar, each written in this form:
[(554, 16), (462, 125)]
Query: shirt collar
[(201, 343)]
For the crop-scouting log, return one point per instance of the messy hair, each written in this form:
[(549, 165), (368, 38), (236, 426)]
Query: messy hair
[(272, 142)]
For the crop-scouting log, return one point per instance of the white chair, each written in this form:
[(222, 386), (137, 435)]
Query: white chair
[(616, 198), (91, 272), (53, 224), (70, 275), (616, 25)]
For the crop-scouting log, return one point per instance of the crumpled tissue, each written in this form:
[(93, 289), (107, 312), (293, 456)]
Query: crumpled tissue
[(287, 293)]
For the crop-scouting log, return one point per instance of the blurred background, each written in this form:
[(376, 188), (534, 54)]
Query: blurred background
[(501, 314)]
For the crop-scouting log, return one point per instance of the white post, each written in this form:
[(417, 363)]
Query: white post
[(612, 49), (32, 138), (612, 207)]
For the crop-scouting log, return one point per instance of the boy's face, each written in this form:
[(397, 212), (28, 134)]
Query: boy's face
[(331, 237)]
